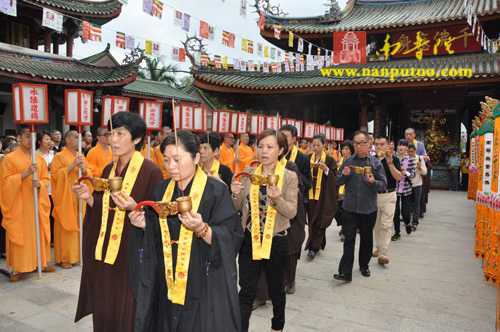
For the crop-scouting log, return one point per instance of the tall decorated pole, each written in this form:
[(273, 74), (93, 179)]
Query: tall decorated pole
[(30, 103), (151, 112), (78, 112)]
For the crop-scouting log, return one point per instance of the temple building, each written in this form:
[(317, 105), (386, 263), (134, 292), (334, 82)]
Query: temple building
[(414, 37)]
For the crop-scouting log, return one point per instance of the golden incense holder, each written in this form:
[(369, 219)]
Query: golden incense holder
[(319, 163), (164, 209), (99, 184), (115, 184), (259, 179), (184, 205)]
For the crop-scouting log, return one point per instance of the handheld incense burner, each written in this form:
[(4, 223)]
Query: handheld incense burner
[(361, 170), (100, 184), (386, 153), (164, 209), (261, 180), (115, 184), (316, 165)]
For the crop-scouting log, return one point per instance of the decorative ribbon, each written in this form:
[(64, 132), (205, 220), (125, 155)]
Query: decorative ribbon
[(315, 195), (119, 218), (293, 154)]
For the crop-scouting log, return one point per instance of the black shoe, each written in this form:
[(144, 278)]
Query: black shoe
[(343, 277), (396, 237), (365, 272), (408, 229), (421, 215), (413, 227), (311, 254)]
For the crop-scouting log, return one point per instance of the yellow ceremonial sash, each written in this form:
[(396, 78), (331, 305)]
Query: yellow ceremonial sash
[(215, 168), (177, 288), (262, 249), (315, 195), (293, 156), (342, 187), (117, 227)]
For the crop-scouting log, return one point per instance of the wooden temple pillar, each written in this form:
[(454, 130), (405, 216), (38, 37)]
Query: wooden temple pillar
[(46, 40), (55, 43), (69, 44), (364, 111)]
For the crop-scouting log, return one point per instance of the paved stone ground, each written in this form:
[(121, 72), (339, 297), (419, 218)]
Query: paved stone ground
[(433, 283)]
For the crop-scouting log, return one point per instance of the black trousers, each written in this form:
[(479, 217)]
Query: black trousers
[(402, 207), (465, 181), (351, 222), (249, 271), (416, 194)]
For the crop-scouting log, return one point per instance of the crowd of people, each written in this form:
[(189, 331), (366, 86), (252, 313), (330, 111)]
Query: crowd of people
[(252, 199)]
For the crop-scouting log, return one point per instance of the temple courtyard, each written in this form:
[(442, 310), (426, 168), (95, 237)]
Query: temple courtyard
[(432, 283)]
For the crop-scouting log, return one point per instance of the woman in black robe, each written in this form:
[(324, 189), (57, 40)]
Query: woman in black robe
[(322, 209), (211, 295)]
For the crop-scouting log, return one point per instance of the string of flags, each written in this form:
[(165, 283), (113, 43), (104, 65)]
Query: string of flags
[(489, 45)]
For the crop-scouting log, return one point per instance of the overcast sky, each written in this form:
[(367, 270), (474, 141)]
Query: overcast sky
[(224, 15)]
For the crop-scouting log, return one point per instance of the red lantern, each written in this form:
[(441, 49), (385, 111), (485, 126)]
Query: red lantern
[(112, 105), (221, 121), (272, 122), (309, 130), (30, 103), (78, 107), (257, 124), (200, 118), (299, 125), (151, 112), (239, 123)]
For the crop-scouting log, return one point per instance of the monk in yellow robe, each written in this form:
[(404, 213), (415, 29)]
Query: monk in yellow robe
[(100, 155), (245, 153), (17, 201), (227, 156), (64, 170)]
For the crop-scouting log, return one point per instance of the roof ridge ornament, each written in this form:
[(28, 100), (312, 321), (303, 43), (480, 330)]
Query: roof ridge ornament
[(334, 13), (135, 57), (265, 7)]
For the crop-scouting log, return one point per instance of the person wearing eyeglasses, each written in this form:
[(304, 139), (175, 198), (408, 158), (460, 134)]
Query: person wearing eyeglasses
[(360, 204), (100, 155)]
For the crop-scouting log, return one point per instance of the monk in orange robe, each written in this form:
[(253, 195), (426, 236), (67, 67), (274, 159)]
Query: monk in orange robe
[(17, 201), (303, 146), (100, 155), (144, 150), (64, 170), (227, 156), (158, 160), (245, 153)]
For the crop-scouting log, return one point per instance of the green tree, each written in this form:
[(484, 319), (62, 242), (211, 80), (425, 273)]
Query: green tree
[(156, 70)]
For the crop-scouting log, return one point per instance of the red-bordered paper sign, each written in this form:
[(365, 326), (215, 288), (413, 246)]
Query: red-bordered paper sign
[(30, 103), (78, 107), (151, 112)]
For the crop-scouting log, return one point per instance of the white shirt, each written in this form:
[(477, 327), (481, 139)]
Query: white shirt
[(48, 159)]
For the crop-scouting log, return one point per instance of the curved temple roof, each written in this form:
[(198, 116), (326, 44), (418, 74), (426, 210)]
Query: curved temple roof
[(82, 7), (378, 14)]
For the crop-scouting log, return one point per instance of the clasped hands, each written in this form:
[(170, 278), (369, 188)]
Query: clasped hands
[(273, 191), (369, 177)]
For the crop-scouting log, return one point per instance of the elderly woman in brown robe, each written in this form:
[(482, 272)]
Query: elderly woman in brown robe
[(322, 196)]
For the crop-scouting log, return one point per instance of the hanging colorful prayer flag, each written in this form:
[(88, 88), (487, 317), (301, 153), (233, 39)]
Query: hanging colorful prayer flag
[(474, 25), (251, 66), (204, 60), (292, 67), (244, 45), (203, 29), (236, 64), (147, 6), (232, 39), (259, 49), (273, 53), (277, 31), (297, 58), (95, 32), (182, 55), (175, 54), (187, 22), (300, 46), (273, 67), (218, 61), (319, 52), (262, 21), (287, 67), (250, 47), (278, 67), (290, 39), (177, 18), (120, 39), (211, 32), (9, 7), (225, 38), (52, 19), (224, 62), (266, 51), (287, 56), (310, 48), (156, 49), (257, 66), (148, 49), (243, 65), (243, 8), (157, 8), (129, 42), (86, 30), (265, 67)]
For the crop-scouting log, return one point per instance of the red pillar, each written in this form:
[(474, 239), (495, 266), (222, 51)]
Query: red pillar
[(47, 41), (69, 44), (55, 42)]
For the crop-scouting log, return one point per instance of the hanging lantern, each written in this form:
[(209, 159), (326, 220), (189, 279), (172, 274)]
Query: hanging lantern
[(309, 130), (328, 134), (221, 121), (112, 105), (239, 123), (151, 112), (78, 107), (339, 136), (200, 118), (299, 125), (257, 124), (30, 103), (184, 113)]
